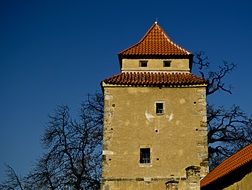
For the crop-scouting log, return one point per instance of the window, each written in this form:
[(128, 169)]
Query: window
[(166, 63), (145, 155), (143, 63), (159, 107)]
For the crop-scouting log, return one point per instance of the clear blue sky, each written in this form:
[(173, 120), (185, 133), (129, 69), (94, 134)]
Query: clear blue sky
[(57, 51)]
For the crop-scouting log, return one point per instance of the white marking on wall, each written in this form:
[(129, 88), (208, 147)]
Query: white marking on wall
[(108, 97), (149, 116), (170, 117), (107, 152)]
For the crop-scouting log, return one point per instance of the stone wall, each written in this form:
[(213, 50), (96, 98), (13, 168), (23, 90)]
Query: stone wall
[(244, 184), (177, 138), (155, 65)]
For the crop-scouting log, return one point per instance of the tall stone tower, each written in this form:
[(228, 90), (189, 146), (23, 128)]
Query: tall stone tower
[(155, 132)]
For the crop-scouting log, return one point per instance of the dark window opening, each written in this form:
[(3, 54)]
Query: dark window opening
[(143, 63), (144, 155), (167, 63), (159, 108)]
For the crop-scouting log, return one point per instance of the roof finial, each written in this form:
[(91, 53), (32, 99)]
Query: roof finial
[(156, 21)]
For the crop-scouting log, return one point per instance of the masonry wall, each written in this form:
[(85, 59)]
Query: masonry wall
[(155, 65), (244, 184), (177, 139)]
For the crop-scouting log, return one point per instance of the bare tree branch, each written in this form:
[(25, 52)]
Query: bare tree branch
[(228, 132), (72, 158), (13, 181), (228, 129), (216, 79)]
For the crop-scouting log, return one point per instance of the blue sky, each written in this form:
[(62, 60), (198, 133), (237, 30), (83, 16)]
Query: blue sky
[(56, 52)]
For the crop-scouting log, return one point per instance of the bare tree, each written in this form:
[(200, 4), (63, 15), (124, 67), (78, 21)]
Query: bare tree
[(228, 129), (72, 158), (216, 78), (73, 149), (13, 181), (44, 174)]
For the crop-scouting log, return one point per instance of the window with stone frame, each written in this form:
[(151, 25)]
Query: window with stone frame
[(145, 156), (159, 108)]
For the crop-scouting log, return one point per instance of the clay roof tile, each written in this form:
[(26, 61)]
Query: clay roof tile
[(154, 79), (231, 164), (155, 42)]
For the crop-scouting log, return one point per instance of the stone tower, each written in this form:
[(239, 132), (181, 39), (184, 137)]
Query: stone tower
[(155, 132)]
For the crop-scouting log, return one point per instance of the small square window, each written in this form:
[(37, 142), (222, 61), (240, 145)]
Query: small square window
[(143, 63), (159, 108), (167, 63), (145, 155)]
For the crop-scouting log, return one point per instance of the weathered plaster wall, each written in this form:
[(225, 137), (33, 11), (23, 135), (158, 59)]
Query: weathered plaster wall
[(244, 184), (177, 139), (155, 65)]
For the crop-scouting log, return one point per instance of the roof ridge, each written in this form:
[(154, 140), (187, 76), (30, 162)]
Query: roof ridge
[(142, 46), (148, 31), (170, 40)]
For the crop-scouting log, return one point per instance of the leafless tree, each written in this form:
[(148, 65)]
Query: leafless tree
[(72, 158), (216, 78), (44, 174), (13, 181), (229, 129)]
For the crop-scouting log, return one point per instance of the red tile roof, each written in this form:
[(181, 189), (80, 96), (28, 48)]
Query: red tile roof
[(154, 79), (155, 42), (230, 165)]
